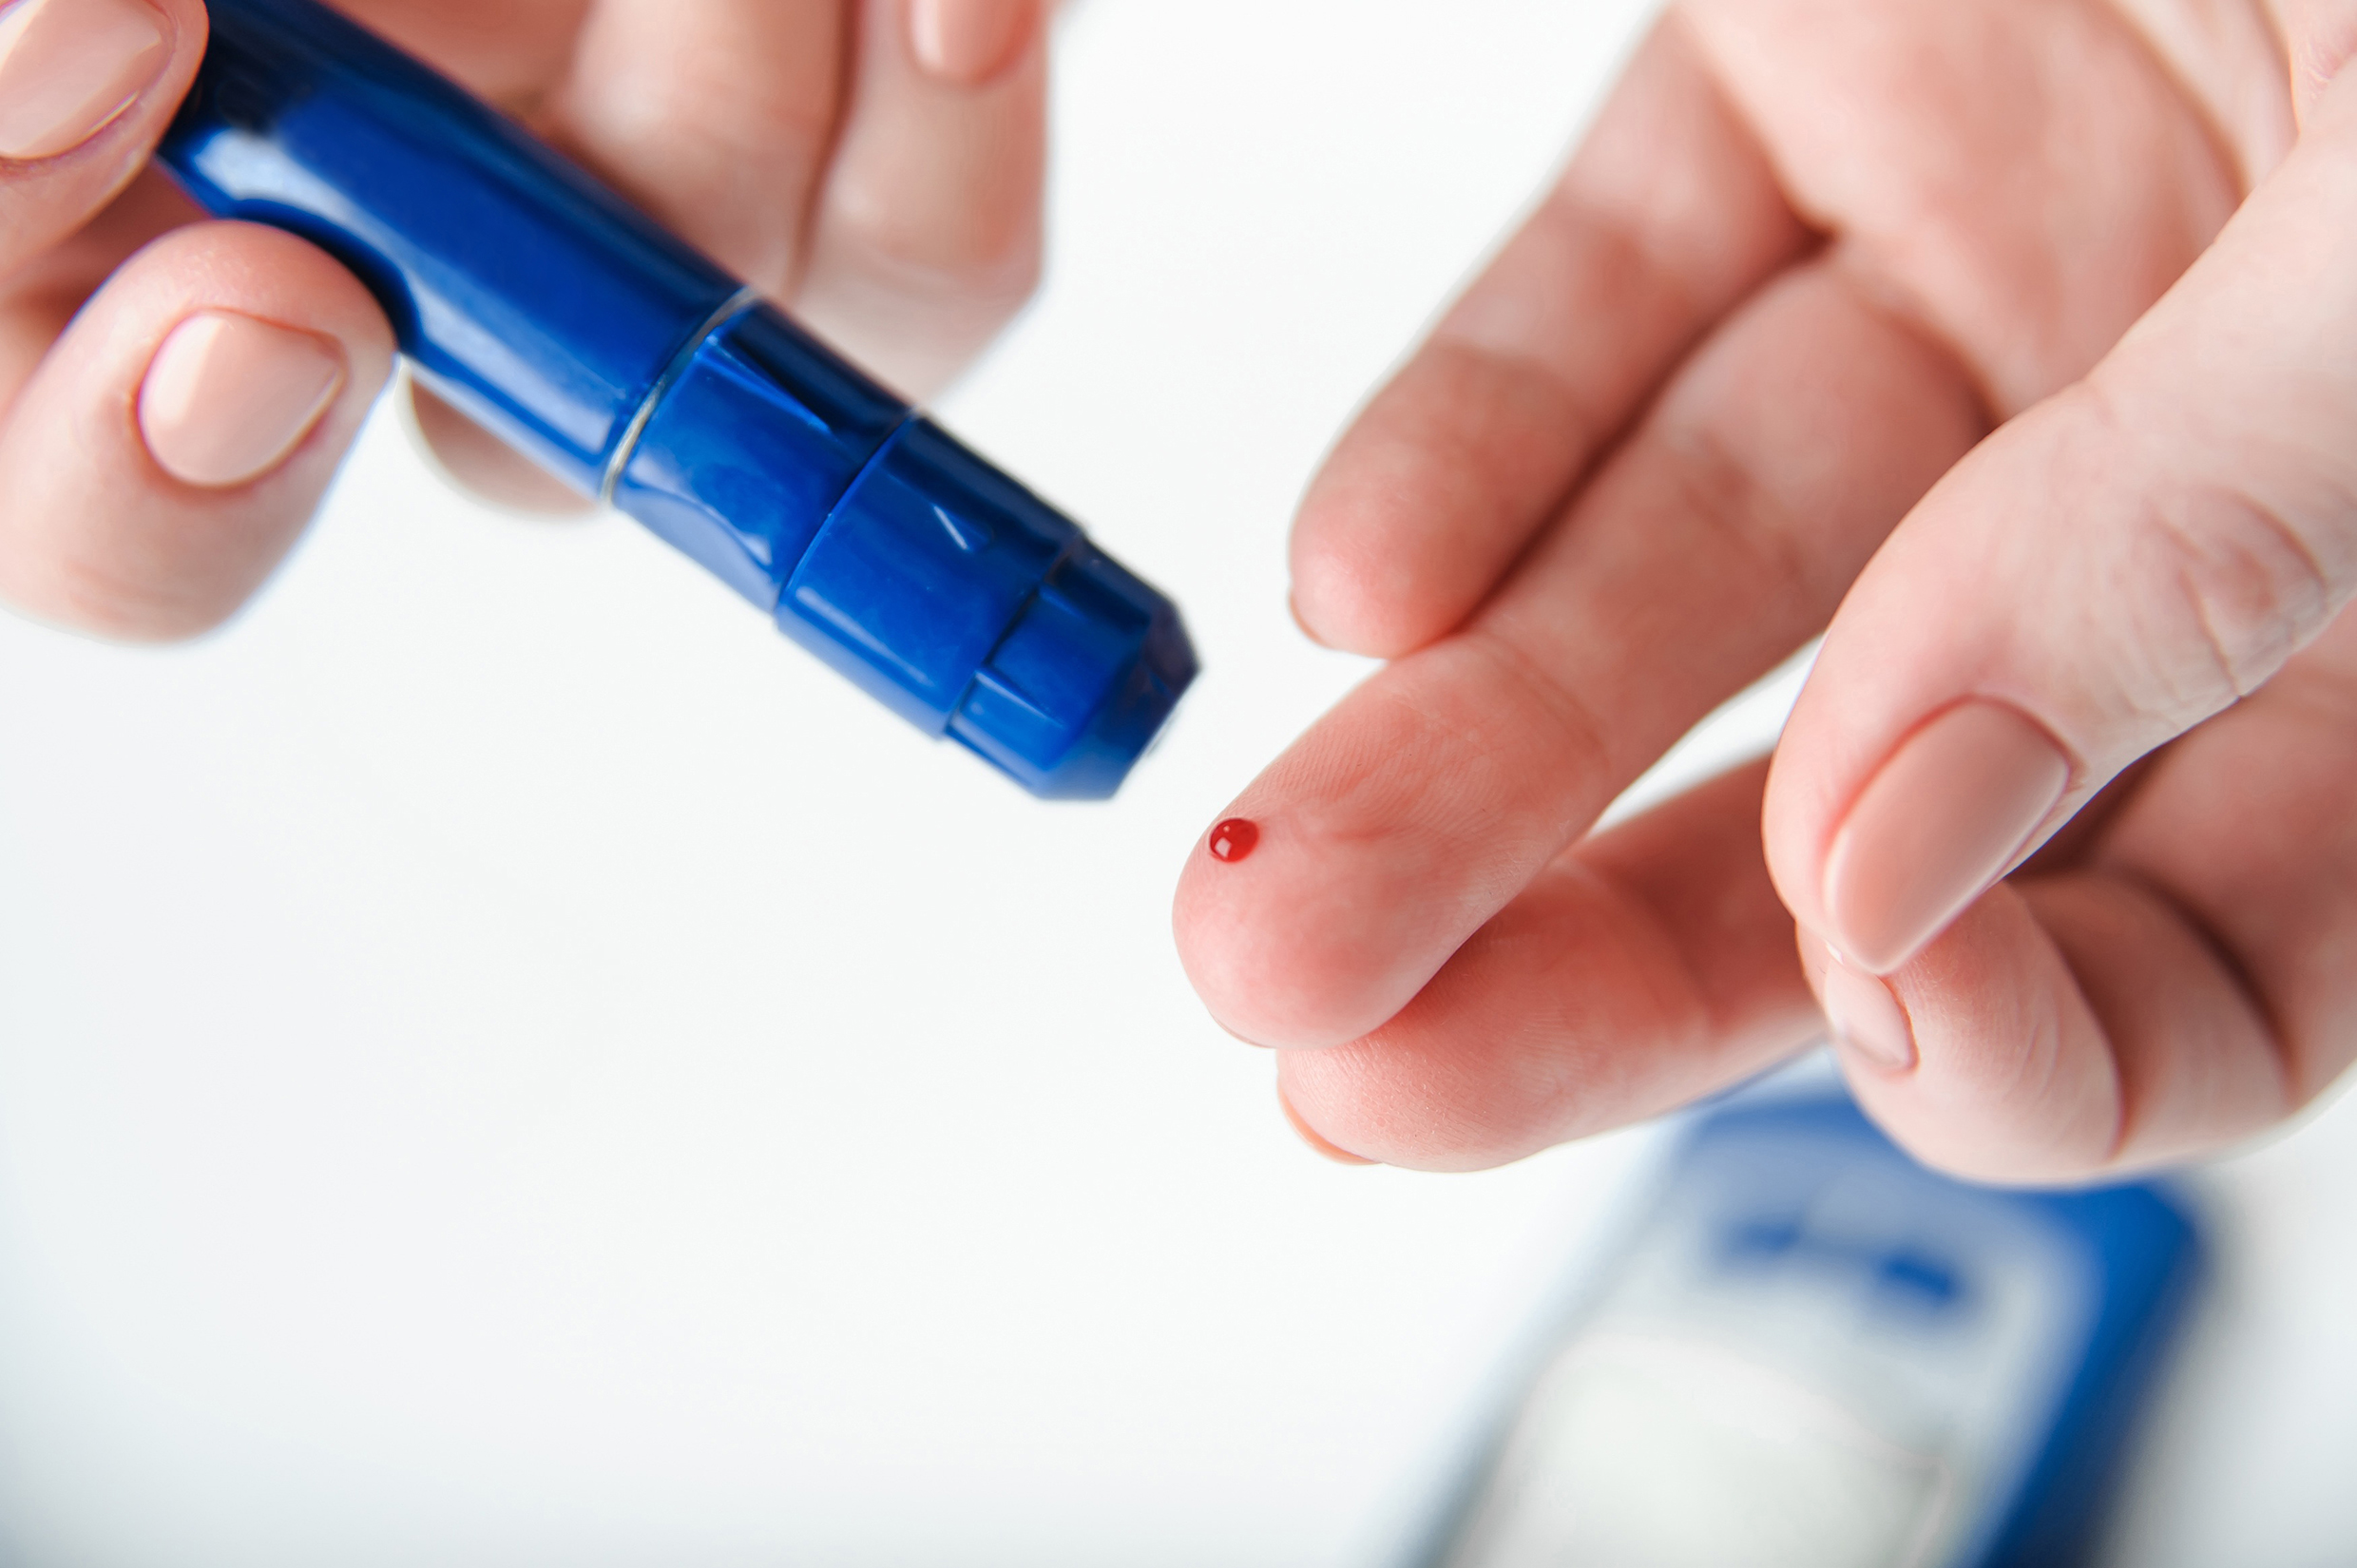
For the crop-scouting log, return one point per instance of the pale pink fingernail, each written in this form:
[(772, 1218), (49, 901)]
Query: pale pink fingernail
[(1943, 819), (227, 396), (1864, 1015), (69, 67), (967, 42)]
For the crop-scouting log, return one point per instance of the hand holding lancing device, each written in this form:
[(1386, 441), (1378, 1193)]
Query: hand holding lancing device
[(1733, 377), (874, 164)]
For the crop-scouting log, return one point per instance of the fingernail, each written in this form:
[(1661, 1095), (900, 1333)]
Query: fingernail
[(967, 42), (1309, 1135), (1944, 818), (227, 396), (69, 67), (1864, 1015)]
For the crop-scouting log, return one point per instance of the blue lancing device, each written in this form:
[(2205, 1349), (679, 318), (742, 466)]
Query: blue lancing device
[(561, 319)]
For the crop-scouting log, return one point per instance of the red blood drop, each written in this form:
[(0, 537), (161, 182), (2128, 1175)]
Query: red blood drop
[(1233, 839)]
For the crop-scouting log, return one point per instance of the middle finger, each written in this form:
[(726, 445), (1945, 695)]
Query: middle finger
[(716, 116)]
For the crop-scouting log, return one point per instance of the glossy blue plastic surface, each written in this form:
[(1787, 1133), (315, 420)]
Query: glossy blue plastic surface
[(969, 606), (2145, 1262), (563, 320), (757, 436), (1766, 1159)]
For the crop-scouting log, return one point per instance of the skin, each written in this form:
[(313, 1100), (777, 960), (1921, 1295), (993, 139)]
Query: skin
[(2008, 339), (799, 142), (2007, 343)]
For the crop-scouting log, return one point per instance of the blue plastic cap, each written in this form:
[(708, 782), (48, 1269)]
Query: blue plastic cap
[(758, 433), (976, 610), (1077, 691)]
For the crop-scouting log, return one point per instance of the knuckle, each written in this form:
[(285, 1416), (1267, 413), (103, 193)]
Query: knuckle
[(965, 242), (100, 600), (135, 594), (2237, 588), (1536, 699), (1723, 489), (2201, 589)]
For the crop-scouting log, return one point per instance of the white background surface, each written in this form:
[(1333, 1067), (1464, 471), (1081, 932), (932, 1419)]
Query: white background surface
[(504, 1060)]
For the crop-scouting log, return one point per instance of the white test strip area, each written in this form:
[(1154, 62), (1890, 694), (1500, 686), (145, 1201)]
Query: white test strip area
[(504, 1061)]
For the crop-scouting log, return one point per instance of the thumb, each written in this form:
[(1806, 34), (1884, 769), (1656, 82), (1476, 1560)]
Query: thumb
[(2106, 572)]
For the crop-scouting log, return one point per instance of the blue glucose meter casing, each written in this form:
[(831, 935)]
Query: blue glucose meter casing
[(561, 319), (1811, 1350)]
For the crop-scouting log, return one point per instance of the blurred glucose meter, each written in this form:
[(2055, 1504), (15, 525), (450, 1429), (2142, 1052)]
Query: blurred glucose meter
[(1813, 1351)]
